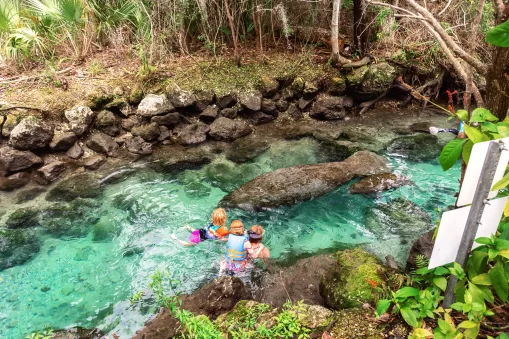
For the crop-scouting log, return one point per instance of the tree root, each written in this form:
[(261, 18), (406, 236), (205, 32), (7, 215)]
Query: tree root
[(368, 104), (356, 64)]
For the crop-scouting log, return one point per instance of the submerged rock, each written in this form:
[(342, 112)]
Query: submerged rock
[(399, 216), (288, 186), (419, 147), (349, 284), (74, 219), (378, 183), (31, 134), (79, 186), (247, 148), (23, 218), (17, 247), (28, 195), (105, 229), (229, 130), (14, 181), (78, 332)]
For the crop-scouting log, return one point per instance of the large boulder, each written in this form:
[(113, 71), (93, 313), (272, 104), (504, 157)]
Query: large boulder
[(74, 219), (268, 86), (79, 186), (400, 217), (168, 120), (329, 107), (287, 186), (12, 160), (80, 118), (378, 183), (148, 132), (17, 247), (228, 129), (377, 79), (103, 143), (62, 140), (182, 99), (51, 171), (154, 105), (251, 101), (350, 282), (108, 123), (23, 218), (193, 134), (31, 134), (15, 181)]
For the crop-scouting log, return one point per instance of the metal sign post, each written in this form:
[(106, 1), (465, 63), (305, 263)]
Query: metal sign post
[(479, 202)]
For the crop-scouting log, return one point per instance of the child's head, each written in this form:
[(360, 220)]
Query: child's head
[(256, 233), (219, 217), (237, 227)]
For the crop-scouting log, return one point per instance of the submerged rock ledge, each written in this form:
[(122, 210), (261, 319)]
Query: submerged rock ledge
[(288, 186)]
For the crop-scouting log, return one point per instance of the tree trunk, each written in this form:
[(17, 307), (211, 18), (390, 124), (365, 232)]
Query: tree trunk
[(236, 52), (359, 28), (497, 83), (336, 7)]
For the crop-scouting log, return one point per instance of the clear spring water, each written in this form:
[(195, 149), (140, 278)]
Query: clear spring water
[(80, 282)]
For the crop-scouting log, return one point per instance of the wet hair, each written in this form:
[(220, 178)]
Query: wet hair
[(237, 227), (256, 234), (219, 217)]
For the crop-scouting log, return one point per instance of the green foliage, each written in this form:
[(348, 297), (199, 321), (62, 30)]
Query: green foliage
[(499, 35), (451, 153)]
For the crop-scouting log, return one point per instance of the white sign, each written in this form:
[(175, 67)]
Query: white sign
[(474, 170), (453, 225)]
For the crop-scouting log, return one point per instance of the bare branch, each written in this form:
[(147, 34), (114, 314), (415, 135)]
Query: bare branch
[(445, 8), (437, 28)]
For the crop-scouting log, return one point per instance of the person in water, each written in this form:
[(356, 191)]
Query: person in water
[(236, 250), (215, 230), (257, 250)]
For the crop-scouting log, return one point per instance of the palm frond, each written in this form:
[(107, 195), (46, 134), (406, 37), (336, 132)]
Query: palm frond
[(9, 15)]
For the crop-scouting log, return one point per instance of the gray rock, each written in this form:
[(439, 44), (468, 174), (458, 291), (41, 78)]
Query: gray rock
[(132, 121), (258, 118), (94, 162), (310, 90), (209, 114), (268, 86), (80, 118), (176, 158), (50, 172), (137, 145), (230, 113), (102, 143), (229, 130), (17, 247), (28, 194), (62, 140), (83, 185), (108, 123), (269, 107), (226, 101), (193, 134), (182, 99), (251, 101), (304, 103), (12, 160), (378, 183), (75, 152), (169, 120), (247, 148), (282, 105), (14, 181), (23, 218), (165, 133), (148, 132), (204, 99), (31, 134), (294, 112), (154, 105), (287, 186), (328, 107)]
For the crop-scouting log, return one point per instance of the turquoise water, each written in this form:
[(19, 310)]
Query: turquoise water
[(88, 283)]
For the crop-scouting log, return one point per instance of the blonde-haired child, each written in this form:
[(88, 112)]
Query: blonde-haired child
[(215, 230)]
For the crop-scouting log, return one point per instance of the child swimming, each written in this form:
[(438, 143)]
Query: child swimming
[(236, 250), (213, 231)]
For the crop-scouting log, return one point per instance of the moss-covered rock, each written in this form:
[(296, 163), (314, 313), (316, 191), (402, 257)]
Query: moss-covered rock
[(378, 78), (79, 186), (349, 284), (419, 147), (17, 247), (105, 229), (268, 86), (338, 85), (97, 98), (23, 218), (356, 77)]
